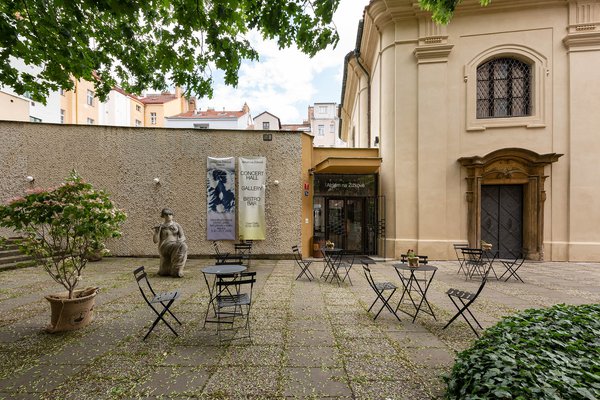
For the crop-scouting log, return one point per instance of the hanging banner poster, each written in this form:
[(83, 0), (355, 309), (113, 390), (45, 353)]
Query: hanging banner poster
[(220, 198), (252, 198)]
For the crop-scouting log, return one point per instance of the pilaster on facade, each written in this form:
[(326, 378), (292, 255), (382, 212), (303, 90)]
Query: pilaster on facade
[(433, 46), (584, 26)]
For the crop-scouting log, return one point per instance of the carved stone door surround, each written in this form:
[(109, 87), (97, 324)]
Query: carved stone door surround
[(510, 166)]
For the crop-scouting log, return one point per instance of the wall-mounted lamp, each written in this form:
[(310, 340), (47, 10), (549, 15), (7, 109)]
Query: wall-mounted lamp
[(311, 171), (276, 182), (30, 179), (156, 181)]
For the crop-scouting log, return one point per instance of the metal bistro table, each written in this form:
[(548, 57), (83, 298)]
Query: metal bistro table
[(217, 271), (413, 285), (332, 258)]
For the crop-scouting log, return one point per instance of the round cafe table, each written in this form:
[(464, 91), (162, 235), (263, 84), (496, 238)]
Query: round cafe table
[(414, 285)]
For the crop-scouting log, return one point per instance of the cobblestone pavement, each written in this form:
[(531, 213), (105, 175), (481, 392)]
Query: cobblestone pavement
[(310, 339)]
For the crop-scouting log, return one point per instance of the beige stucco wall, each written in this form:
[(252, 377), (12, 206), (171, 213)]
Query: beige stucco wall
[(135, 114), (124, 161), (13, 108), (422, 80)]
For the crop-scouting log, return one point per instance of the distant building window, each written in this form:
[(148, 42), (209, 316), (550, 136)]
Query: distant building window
[(138, 108), (138, 122), (152, 118), (503, 89), (90, 98), (322, 109), (201, 126), (321, 130), (62, 116), (266, 126), (332, 128), (90, 121), (61, 91), (34, 119)]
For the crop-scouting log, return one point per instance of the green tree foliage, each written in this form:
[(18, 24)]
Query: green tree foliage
[(149, 44), (442, 10)]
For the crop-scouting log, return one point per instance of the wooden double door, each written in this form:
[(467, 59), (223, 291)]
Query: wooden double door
[(502, 218)]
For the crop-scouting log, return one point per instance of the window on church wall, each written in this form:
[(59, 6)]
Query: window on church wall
[(504, 89)]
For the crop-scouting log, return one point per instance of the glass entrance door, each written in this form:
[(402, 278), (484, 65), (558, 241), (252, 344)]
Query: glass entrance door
[(335, 222), (354, 225), (346, 222)]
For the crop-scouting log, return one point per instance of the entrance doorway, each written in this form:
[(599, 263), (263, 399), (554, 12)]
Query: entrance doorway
[(345, 222), (502, 218)]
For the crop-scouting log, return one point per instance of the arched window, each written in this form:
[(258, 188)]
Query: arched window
[(503, 89)]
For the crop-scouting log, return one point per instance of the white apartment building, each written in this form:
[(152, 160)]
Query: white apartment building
[(212, 119), (22, 108), (324, 124)]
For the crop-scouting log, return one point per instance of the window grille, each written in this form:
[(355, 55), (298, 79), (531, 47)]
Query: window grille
[(503, 89)]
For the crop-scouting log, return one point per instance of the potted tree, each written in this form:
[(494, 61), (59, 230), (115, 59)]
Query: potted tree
[(61, 227)]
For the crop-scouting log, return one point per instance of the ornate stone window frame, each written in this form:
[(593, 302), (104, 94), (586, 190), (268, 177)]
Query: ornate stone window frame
[(539, 82), (510, 166)]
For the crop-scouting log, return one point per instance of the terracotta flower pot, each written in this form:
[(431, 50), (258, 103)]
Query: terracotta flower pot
[(70, 314)]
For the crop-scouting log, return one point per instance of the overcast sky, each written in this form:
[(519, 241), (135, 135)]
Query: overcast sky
[(286, 82)]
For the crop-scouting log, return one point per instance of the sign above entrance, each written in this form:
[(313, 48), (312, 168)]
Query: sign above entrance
[(345, 185)]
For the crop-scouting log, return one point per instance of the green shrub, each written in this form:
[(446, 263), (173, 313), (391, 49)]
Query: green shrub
[(549, 353), (63, 225)]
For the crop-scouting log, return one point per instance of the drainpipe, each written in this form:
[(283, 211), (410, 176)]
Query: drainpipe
[(357, 56)]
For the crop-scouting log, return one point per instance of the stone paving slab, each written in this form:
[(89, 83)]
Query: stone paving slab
[(311, 340)]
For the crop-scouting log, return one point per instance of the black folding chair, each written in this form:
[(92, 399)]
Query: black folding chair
[(226, 258), (459, 256), (164, 299), (379, 288), (346, 263), (303, 264), (512, 266), (231, 300), (474, 263), (244, 251), (465, 299), (404, 259)]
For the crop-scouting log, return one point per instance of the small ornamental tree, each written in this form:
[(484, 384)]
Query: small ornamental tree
[(62, 225)]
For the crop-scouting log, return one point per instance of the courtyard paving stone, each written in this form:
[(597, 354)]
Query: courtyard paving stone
[(311, 340)]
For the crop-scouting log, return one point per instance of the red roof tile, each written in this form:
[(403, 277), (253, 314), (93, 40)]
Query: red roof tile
[(158, 98), (209, 114)]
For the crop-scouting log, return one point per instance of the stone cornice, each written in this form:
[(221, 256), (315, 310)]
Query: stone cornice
[(427, 54), (582, 41)]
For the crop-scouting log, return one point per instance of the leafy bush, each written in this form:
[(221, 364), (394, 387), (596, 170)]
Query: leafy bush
[(537, 354), (63, 225)]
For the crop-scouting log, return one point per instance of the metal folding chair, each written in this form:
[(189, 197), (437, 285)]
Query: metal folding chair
[(459, 256), (422, 259), (164, 299), (380, 288), (512, 266), (474, 263), (346, 263), (465, 299), (303, 264), (231, 301), (226, 258), (244, 251)]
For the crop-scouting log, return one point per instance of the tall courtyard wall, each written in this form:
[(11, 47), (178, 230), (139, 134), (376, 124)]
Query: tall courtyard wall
[(125, 161)]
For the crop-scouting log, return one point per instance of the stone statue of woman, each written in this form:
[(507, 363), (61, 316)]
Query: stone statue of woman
[(171, 245)]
